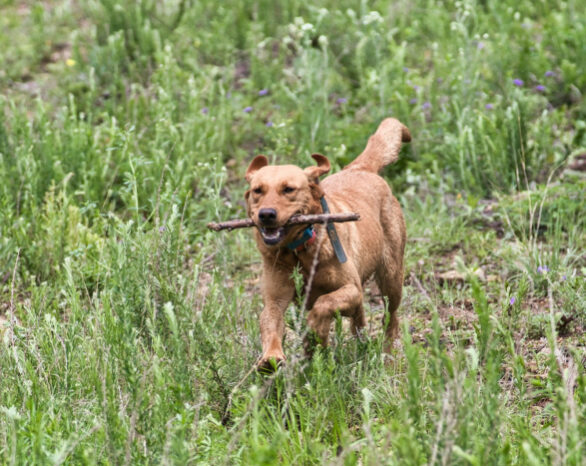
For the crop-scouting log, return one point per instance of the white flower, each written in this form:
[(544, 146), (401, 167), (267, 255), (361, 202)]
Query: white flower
[(372, 17)]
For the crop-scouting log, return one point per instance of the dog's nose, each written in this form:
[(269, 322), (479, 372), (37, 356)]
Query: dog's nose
[(267, 216)]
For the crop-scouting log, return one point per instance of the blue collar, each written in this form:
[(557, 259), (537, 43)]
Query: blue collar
[(308, 236)]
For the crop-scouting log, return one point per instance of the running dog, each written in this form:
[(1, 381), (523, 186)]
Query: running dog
[(372, 246)]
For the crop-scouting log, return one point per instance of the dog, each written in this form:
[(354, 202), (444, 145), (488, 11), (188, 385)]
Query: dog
[(374, 245)]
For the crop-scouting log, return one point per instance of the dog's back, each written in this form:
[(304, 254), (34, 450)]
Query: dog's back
[(359, 188), (377, 242)]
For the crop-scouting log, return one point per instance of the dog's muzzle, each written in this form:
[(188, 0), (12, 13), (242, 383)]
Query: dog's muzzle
[(271, 234)]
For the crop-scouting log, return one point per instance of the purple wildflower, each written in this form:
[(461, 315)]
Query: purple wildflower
[(549, 74), (564, 278), (440, 80), (518, 82), (228, 95), (342, 100), (161, 229), (247, 109), (480, 45), (263, 92), (205, 111), (543, 269), (413, 101), (426, 105), (540, 88), (489, 106), (415, 87), (512, 300), (405, 69), (269, 124)]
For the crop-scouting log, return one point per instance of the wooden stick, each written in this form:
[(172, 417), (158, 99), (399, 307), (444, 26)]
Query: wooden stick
[(296, 220)]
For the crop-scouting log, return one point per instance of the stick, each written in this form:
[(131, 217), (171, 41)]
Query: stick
[(296, 220)]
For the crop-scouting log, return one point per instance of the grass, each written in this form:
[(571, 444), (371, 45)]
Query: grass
[(129, 331)]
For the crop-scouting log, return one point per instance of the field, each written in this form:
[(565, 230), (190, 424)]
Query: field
[(129, 332)]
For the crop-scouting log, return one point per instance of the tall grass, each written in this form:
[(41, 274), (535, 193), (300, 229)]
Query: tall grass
[(128, 331)]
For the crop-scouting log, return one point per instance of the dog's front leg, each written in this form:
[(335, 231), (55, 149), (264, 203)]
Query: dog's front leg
[(278, 291), (346, 300)]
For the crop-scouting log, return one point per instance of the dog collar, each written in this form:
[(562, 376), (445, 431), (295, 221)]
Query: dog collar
[(307, 238), (333, 234)]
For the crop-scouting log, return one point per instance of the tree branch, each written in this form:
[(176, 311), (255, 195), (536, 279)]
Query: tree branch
[(296, 220)]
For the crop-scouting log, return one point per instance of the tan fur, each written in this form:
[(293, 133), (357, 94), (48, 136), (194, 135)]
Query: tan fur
[(374, 245)]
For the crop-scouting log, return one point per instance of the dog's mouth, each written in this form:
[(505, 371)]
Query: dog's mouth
[(272, 236)]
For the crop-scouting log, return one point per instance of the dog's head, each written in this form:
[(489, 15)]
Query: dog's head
[(277, 192)]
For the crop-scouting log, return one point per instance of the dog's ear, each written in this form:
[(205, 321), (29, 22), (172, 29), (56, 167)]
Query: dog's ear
[(257, 163), (323, 166)]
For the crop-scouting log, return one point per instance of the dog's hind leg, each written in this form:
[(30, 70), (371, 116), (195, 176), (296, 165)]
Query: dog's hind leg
[(358, 320), (390, 283)]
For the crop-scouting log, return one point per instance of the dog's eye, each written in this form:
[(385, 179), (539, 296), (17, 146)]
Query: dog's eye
[(257, 190), (288, 189)]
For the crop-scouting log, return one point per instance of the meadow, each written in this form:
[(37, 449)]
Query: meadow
[(128, 331)]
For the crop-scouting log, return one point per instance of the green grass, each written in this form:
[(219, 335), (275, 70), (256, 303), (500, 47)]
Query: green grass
[(128, 331)]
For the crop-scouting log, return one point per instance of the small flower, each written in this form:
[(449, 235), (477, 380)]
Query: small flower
[(205, 111), (480, 45), (269, 124), (512, 300), (518, 82), (540, 88), (405, 69), (342, 100), (564, 278), (263, 92), (426, 105), (440, 80), (543, 269), (489, 106), (228, 95), (413, 101), (549, 74), (70, 62), (415, 87), (247, 109), (161, 229)]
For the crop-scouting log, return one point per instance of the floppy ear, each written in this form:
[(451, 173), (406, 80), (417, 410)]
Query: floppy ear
[(257, 163), (323, 166)]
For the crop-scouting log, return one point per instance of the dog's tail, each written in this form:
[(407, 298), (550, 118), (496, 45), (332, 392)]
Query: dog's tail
[(383, 147)]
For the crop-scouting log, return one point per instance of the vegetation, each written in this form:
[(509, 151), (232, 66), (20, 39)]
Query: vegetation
[(129, 332)]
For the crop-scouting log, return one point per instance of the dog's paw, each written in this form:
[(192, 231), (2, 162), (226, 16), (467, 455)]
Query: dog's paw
[(319, 328), (270, 363)]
